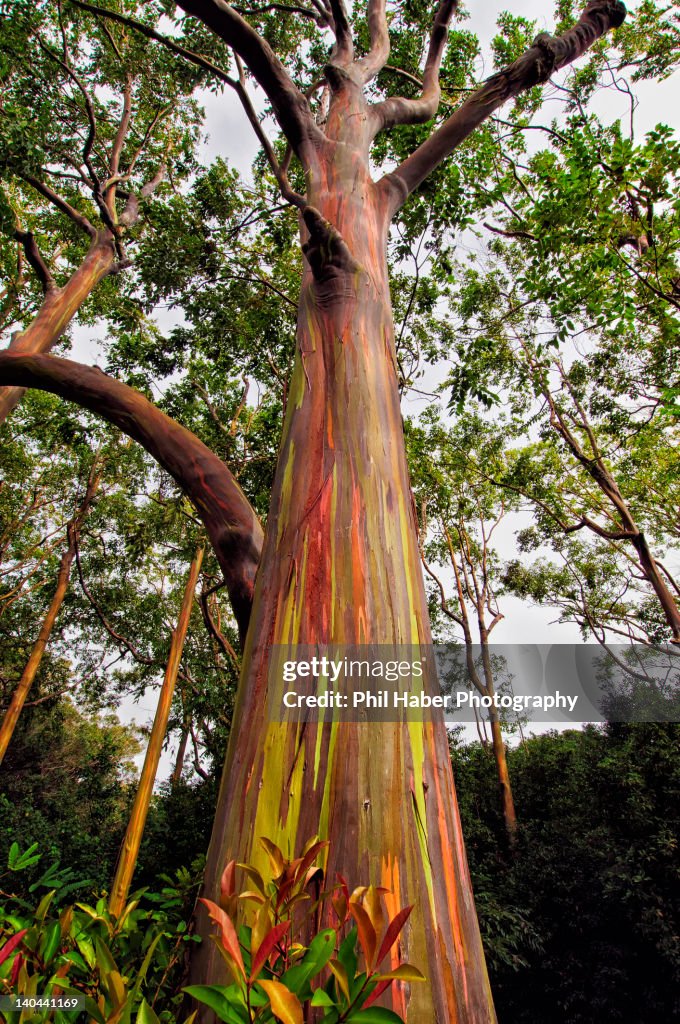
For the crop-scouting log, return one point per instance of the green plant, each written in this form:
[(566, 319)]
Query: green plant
[(120, 967), (273, 973)]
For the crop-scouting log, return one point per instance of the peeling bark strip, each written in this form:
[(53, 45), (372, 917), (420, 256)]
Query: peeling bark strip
[(129, 850), (234, 529), (24, 685)]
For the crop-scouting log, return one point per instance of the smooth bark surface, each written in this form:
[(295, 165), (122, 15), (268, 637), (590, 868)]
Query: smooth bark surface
[(341, 565), (232, 525), (129, 851), (58, 309)]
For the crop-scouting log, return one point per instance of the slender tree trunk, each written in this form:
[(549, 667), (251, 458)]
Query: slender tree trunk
[(58, 309), (498, 746), (499, 755), (21, 692), (127, 859), (341, 564), (486, 686), (658, 584), (179, 759)]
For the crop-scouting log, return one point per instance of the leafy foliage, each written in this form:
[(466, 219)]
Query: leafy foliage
[(273, 970)]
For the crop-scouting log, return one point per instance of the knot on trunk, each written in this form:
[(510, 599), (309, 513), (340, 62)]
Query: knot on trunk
[(326, 250), (547, 61)]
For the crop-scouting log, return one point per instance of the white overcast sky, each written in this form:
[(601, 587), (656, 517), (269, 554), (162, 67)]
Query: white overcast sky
[(229, 135)]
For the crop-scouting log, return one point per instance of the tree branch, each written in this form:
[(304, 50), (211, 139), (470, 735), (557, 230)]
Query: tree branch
[(379, 53), (547, 55), (229, 519), (290, 105), (399, 109), (343, 52), (61, 204), (35, 258)]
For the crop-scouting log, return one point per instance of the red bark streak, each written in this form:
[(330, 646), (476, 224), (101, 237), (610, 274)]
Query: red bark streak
[(341, 565)]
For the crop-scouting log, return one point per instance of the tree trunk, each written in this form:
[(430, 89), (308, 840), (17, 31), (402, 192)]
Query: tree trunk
[(58, 309), (499, 755), (658, 584), (179, 759), (127, 859), (341, 564), (21, 692)]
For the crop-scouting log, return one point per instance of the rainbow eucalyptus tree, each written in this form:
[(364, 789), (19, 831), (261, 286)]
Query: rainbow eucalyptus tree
[(340, 560)]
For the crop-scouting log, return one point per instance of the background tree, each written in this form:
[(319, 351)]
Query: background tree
[(458, 518)]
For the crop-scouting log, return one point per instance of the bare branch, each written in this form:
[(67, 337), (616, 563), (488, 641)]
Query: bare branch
[(35, 258), (289, 103), (379, 53), (285, 9), (343, 52), (232, 525), (547, 55), (119, 141), (61, 204), (279, 173), (399, 109)]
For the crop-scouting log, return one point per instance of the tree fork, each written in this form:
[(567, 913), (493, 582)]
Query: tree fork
[(129, 851)]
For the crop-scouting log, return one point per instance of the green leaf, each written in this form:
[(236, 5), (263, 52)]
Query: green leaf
[(216, 998), (321, 998), (146, 1015), (51, 941)]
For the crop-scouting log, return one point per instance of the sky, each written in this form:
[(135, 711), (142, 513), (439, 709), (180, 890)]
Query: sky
[(228, 134)]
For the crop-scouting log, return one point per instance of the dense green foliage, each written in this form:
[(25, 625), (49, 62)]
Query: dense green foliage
[(582, 925)]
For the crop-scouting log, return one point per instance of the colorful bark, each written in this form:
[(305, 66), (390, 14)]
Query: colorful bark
[(341, 565), (230, 521), (58, 309)]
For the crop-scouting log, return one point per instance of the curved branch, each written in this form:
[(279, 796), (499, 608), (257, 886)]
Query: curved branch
[(379, 53), (547, 55), (290, 105), (36, 260), (399, 109), (343, 52), (231, 523)]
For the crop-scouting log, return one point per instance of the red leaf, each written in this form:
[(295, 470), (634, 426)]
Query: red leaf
[(283, 891), (16, 967), (343, 885), (367, 936), (268, 944), (377, 992), (309, 858), (11, 945), (392, 933), (228, 880), (228, 936)]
